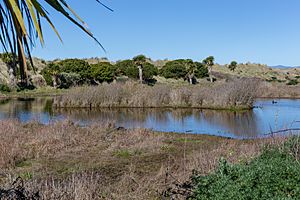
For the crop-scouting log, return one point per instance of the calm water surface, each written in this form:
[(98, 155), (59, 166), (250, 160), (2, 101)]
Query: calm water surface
[(267, 117)]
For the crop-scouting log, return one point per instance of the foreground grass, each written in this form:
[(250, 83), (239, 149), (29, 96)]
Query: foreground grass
[(64, 161)]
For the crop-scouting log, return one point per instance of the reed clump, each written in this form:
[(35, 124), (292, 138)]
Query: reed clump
[(238, 94)]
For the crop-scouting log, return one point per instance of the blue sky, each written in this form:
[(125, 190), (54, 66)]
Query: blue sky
[(261, 31)]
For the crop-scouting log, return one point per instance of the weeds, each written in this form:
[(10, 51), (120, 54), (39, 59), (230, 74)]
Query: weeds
[(65, 161), (238, 94)]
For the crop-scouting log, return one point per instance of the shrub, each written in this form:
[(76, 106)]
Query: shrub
[(201, 70), (232, 66), (293, 82), (8, 58), (50, 70), (127, 68), (149, 71), (4, 88), (103, 72), (68, 80), (77, 66), (174, 69), (275, 174), (179, 69)]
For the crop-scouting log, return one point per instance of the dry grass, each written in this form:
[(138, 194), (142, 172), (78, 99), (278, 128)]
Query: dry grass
[(238, 94), (278, 90), (64, 161)]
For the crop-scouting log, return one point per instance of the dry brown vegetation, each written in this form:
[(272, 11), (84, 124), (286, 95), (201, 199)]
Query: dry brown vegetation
[(65, 161), (277, 90), (238, 94)]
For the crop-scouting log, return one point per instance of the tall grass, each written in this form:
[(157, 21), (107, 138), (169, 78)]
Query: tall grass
[(237, 94), (65, 161)]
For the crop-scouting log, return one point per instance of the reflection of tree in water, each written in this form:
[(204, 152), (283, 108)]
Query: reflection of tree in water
[(12, 108), (238, 123)]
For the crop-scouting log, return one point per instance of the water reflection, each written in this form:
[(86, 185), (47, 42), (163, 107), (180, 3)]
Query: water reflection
[(246, 124)]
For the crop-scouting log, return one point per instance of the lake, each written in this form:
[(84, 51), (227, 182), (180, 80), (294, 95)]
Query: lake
[(268, 116)]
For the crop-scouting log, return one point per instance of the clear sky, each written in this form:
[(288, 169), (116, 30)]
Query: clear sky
[(261, 31)]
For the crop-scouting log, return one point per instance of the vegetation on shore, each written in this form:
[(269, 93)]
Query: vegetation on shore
[(275, 174), (66, 161), (233, 95)]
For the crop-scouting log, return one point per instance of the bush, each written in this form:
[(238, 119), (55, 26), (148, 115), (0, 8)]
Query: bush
[(273, 175), (76, 66), (103, 72), (149, 71), (293, 82), (179, 69), (4, 88), (174, 69), (50, 70), (201, 71), (68, 80), (127, 68)]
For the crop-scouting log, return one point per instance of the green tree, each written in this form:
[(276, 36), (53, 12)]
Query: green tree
[(174, 69), (50, 74), (191, 68), (20, 24), (76, 66), (139, 62), (103, 72), (209, 63), (127, 68), (232, 66)]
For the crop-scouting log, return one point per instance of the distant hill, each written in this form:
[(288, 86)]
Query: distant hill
[(284, 67)]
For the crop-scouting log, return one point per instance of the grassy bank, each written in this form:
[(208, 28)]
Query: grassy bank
[(275, 174), (232, 95), (64, 161)]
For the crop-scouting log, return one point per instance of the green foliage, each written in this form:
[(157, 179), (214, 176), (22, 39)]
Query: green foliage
[(68, 80), (149, 71), (4, 88), (127, 68), (293, 82), (139, 60), (50, 70), (103, 72), (174, 69), (8, 58), (209, 61), (275, 174), (180, 68), (232, 66), (201, 70), (77, 66)]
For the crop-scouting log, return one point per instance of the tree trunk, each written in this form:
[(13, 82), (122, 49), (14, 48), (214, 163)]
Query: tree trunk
[(140, 74), (210, 74), (54, 77)]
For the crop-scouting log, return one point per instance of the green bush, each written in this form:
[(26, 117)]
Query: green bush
[(293, 82), (4, 88), (179, 69), (50, 70), (68, 80), (8, 58), (174, 69), (127, 68), (103, 72), (201, 71), (76, 66), (149, 71), (275, 174)]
